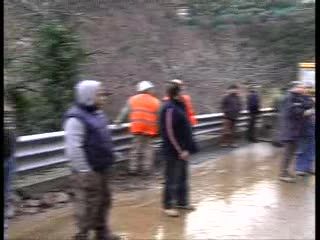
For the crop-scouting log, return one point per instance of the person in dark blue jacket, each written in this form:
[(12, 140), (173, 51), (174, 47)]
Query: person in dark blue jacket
[(306, 147), (293, 110), (253, 106), (178, 145)]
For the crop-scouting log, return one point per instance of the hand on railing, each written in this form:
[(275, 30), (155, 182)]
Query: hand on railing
[(117, 125)]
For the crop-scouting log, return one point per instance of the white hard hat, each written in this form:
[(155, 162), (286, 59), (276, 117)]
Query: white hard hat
[(178, 81), (144, 85)]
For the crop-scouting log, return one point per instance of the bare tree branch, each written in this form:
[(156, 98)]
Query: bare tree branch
[(23, 87), (98, 51)]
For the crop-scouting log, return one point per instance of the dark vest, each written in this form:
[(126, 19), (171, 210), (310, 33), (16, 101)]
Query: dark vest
[(181, 127), (97, 141)]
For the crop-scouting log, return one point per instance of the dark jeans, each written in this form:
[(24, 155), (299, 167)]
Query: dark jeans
[(176, 184), (306, 154), (251, 127), (289, 152), (276, 129)]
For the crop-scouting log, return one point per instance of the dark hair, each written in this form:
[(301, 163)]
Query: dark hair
[(173, 90), (294, 84), (233, 86)]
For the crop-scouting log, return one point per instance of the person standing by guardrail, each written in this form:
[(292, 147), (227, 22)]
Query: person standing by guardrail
[(293, 109), (143, 109), (253, 107), (90, 151), (9, 142), (178, 144), (187, 101), (231, 106)]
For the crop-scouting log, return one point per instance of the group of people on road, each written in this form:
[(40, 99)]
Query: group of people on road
[(91, 153), (293, 125), (143, 111), (231, 106)]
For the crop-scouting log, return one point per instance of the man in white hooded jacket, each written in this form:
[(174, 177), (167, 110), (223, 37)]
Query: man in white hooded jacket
[(90, 151)]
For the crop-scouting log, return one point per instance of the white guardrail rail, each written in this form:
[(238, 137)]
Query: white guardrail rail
[(47, 149)]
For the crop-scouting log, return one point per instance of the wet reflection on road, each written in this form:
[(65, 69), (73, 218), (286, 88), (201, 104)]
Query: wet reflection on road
[(238, 196)]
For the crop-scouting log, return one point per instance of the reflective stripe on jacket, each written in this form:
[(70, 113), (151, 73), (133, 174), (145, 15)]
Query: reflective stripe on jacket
[(189, 109), (143, 114)]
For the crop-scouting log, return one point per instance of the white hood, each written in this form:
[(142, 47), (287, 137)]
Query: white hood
[(86, 92)]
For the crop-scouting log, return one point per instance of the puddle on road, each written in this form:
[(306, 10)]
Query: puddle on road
[(237, 197)]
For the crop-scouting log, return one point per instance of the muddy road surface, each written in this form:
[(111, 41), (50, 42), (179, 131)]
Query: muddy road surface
[(237, 196)]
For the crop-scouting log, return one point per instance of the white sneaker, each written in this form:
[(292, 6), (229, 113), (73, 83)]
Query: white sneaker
[(300, 173), (287, 179), (171, 212), (186, 207)]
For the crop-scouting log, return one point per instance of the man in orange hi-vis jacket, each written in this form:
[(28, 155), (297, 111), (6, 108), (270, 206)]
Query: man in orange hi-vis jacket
[(187, 101), (142, 110)]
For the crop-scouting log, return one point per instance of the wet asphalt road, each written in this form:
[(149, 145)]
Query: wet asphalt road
[(237, 196)]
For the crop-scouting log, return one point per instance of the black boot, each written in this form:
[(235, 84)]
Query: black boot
[(102, 234), (81, 236), (114, 237)]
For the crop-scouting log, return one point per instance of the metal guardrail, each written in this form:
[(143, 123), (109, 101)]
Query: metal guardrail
[(47, 149)]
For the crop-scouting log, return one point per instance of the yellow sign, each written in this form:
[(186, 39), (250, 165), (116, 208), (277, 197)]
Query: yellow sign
[(307, 65)]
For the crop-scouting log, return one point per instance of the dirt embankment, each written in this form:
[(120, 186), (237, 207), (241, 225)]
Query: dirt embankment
[(146, 42)]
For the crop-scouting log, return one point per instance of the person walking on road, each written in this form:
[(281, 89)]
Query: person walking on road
[(293, 110), (187, 102), (90, 151), (306, 146), (231, 106), (178, 144), (143, 109), (253, 107)]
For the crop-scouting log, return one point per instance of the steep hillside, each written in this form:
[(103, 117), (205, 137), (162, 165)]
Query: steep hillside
[(136, 41)]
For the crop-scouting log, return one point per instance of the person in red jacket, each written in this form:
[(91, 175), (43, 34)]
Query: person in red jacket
[(187, 101)]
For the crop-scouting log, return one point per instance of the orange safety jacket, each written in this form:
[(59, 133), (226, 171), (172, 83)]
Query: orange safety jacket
[(190, 113), (143, 114)]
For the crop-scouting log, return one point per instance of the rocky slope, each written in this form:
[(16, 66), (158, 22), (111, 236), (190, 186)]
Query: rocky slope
[(145, 41)]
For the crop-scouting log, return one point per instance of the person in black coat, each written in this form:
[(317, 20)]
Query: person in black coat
[(294, 107), (178, 145), (253, 106), (277, 105), (231, 106)]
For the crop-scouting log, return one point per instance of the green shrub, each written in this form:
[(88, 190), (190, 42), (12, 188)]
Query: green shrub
[(48, 75)]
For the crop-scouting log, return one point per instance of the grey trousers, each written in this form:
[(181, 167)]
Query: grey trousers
[(289, 152), (142, 154), (92, 202)]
